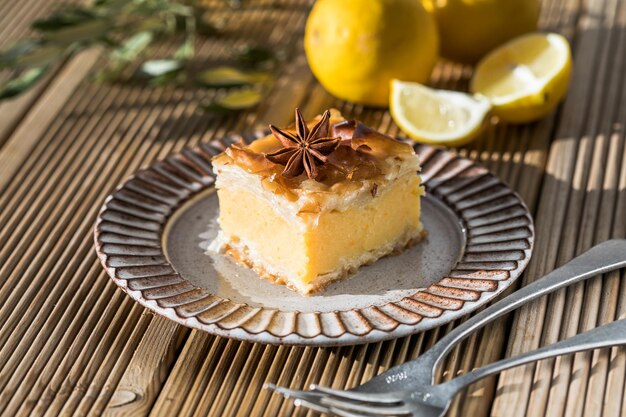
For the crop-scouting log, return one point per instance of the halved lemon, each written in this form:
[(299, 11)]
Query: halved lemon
[(437, 116), (526, 78)]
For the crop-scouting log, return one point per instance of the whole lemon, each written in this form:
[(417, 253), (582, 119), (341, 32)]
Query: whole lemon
[(470, 28), (356, 47)]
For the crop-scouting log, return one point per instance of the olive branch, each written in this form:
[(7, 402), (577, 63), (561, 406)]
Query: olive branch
[(125, 29)]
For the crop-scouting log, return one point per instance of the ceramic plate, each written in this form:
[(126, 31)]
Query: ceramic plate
[(152, 233)]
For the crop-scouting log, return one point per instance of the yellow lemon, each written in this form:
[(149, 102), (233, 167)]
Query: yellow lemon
[(437, 117), (355, 47), (470, 28), (526, 78)]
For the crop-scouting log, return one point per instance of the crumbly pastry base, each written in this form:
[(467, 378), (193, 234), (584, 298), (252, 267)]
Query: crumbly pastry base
[(240, 253)]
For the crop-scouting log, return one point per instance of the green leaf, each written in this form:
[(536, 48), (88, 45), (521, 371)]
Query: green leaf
[(132, 47), (186, 50), (235, 101), (86, 33), (22, 82), (111, 5), (230, 77), (179, 9), (173, 77), (109, 42), (154, 24), (163, 71), (10, 55), (121, 56), (119, 8), (69, 16), (255, 55), (40, 57), (151, 7), (158, 67)]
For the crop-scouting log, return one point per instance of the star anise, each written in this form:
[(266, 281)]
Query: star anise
[(307, 149)]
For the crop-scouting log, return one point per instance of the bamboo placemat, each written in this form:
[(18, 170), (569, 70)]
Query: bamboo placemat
[(71, 343)]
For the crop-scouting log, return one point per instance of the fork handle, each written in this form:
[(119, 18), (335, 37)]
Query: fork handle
[(604, 257), (608, 335)]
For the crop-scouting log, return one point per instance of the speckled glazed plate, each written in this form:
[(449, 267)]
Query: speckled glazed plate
[(152, 234)]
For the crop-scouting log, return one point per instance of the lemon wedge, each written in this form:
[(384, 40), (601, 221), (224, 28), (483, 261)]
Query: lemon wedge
[(437, 116), (526, 78)]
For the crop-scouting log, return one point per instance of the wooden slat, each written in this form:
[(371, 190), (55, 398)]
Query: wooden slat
[(577, 209), (66, 275), (72, 344), (45, 110), (522, 166), (146, 370)]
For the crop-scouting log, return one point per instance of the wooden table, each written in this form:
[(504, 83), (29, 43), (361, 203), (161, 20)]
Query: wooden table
[(72, 344)]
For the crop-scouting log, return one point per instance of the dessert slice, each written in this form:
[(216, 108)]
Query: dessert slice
[(307, 205)]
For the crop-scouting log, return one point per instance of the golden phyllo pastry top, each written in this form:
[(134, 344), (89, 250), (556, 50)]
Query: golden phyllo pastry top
[(348, 157)]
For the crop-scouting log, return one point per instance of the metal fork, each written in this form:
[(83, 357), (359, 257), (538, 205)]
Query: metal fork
[(605, 257), (433, 400)]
